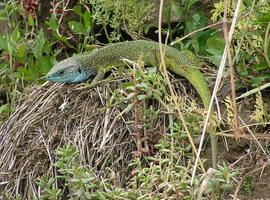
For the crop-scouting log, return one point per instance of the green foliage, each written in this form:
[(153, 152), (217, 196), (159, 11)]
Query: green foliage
[(24, 58), (215, 47), (5, 110), (49, 188), (112, 14), (164, 174), (251, 38), (29, 47), (80, 182), (208, 43), (252, 41), (142, 86), (162, 180), (165, 177), (248, 184), (260, 114), (223, 182), (149, 84)]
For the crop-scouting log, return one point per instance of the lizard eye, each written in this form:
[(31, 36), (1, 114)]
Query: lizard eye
[(79, 70), (61, 72)]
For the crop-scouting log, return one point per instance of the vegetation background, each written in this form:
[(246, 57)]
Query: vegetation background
[(34, 34)]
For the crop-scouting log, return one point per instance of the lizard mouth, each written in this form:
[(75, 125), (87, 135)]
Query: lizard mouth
[(80, 77), (52, 78), (67, 79)]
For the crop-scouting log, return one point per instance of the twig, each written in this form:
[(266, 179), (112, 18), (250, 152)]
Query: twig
[(266, 44), (229, 57), (250, 92), (196, 31), (137, 104), (217, 83), (257, 141), (163, 69), (242, 180)]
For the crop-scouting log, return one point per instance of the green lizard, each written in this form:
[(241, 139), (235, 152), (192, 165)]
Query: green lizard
[(94, 65)]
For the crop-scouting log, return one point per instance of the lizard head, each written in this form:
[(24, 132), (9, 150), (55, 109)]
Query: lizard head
[(68, 71)]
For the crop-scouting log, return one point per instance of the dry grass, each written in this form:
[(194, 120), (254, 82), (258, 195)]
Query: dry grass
[(52, 115)]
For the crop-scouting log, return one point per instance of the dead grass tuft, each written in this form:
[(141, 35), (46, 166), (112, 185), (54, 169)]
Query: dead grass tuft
[(52, 115)]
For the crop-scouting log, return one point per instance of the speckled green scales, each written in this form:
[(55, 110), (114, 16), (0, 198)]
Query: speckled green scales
[(182, 63)]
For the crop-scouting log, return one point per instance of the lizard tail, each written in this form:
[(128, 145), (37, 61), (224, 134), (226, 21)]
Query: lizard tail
[(198, 81)]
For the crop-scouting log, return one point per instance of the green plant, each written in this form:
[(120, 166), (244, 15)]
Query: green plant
[(208, 43), (248, 184), (251, 43), (79, 182), (260, 114), (112, 14), (49, 188), (26, 52), (29, 47), (5, 110), (223, 181)]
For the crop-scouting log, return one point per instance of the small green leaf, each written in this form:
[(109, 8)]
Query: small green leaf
[(130, 95), (214, 51), (216, 42), (248, 3), (5, 108), (31, 21), (88, 180), (28, 75), (244, 73), (44, 64), (260, 67), (101, 196), (77, 27), (3, 43), (53, 22), (176, 9), (258, 80), (131, 88), (191, 3), (88, 21), (77, 9), (128, 84), (199, 20), (216, 59), (15, 35), (261, 17), (21, 51), (142, 97), (39, 44), (202, 39)]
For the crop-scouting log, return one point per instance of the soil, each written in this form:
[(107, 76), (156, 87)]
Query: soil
[(245, 156)]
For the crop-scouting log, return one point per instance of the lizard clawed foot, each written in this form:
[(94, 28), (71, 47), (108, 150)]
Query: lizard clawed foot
[(91, 85)]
